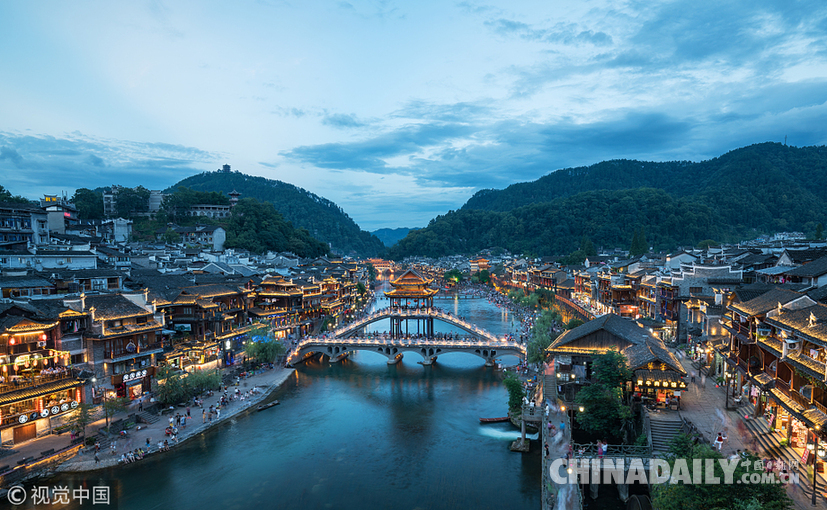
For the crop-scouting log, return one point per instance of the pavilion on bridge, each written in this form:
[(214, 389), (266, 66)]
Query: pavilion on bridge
[(411, 291)]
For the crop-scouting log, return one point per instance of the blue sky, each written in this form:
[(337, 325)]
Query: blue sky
[(397, 111)]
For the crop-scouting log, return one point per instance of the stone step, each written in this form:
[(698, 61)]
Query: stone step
[(769, 442), (145, 417)]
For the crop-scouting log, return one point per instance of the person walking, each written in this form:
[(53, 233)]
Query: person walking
[(140, 404), (203, 416), (97, 460)]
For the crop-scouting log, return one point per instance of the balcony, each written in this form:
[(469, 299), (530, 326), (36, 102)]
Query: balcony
[(15, 382), (113, 355)]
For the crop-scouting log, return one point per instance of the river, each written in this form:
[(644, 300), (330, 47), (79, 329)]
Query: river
[(355, 435)]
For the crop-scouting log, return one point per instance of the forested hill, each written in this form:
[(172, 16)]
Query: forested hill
[(758, 189), (753, 171), (324, 220)]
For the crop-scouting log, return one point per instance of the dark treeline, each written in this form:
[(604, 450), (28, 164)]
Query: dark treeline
[(758, 189), (322, 218)]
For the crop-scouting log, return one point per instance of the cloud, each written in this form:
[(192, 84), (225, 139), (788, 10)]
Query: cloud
[(76, 161), (342, 121), (560, 33), (11, 155)]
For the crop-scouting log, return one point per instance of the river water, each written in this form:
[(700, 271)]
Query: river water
[(354, 435)]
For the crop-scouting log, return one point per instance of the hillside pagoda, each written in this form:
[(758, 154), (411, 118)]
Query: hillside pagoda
[(411, 291)]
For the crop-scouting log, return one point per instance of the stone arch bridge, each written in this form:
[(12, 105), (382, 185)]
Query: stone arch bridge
[(350, 338)]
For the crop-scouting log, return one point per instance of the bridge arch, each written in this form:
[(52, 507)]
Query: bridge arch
[(429, 313)]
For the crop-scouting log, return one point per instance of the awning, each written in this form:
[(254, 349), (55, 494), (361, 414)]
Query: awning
[(38, 391), (764, 381), (787, 403), (665, 378), (815, 418)]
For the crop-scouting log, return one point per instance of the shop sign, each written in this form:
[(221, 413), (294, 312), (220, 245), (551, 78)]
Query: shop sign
[(805, 456), (132, 376), (49, 411)]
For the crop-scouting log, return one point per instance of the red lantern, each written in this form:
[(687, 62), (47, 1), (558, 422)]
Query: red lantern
[(43, 337), (16, 367), (12, 341)]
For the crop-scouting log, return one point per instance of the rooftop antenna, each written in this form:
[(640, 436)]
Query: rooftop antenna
[(785, 140)]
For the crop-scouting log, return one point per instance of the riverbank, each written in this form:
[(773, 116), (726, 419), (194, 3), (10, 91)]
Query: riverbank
[(265, 383)]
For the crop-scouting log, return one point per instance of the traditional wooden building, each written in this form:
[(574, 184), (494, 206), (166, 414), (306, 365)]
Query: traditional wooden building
[(410, 291), (123, 342), (657, 372), (37, 382)]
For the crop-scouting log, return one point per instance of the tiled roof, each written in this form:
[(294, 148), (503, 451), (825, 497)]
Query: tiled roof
[(18, 282), (638, 345), (766, 302), (113, 306), (38, 391), (812, 269)]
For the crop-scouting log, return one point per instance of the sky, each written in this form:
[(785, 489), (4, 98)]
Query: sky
[(396, 111)]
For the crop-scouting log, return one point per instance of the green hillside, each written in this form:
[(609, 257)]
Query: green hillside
[(391, 236), (324, 220), (746, 192)]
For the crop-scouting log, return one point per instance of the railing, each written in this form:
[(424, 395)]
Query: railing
[(800, 399), (122, 353), (29, 382), (819, 406), (622, 450), (411, 313)]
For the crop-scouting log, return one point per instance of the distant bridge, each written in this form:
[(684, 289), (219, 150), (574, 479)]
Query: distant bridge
[(353, 328), (392, 348)]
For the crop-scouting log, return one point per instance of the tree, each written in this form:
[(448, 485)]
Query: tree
[(705, 244), (113, 406), (265, 351), (6, 196), (82, 417), (603, 401), (515, 393), (258, 227), (197, 381), (484, 276), (171, 236), (130, 201), (587, 247), (168, 386), (612, 369), (361, 289), (680, 496), (453, 275), (819, 231), (88, 203), (573, 323)]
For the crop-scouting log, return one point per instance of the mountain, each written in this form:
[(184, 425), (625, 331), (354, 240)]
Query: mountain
[(390, 236), (325, 220), (762, 188)]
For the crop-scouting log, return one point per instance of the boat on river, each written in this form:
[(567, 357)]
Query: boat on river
[(493, 420), (268, 406)]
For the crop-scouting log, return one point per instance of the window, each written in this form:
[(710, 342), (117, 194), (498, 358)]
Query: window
[(115, 324), (696, 290)]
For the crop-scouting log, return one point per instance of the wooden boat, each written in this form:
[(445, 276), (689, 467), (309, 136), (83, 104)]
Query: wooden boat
[(268, 406), (493, 420)]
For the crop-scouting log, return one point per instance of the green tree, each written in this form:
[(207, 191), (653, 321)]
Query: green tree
[(6, 196), (171, 236), (573, 323), (819, 231), (587, 247), (453, 275), (515, 393), (603, 401), (265, 351), (612, 369), (130, 201), (258, 227), (88, 203), (484, 276), (361, 289), (680, 496), (82, 417), (168, 386), (197, 381), (113, 406), (705, 244)]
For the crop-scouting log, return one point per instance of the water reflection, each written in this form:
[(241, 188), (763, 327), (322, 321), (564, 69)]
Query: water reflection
[(355, 435)]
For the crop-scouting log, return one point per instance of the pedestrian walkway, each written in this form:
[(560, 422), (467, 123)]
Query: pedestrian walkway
[(265, 381), (703, 405)]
